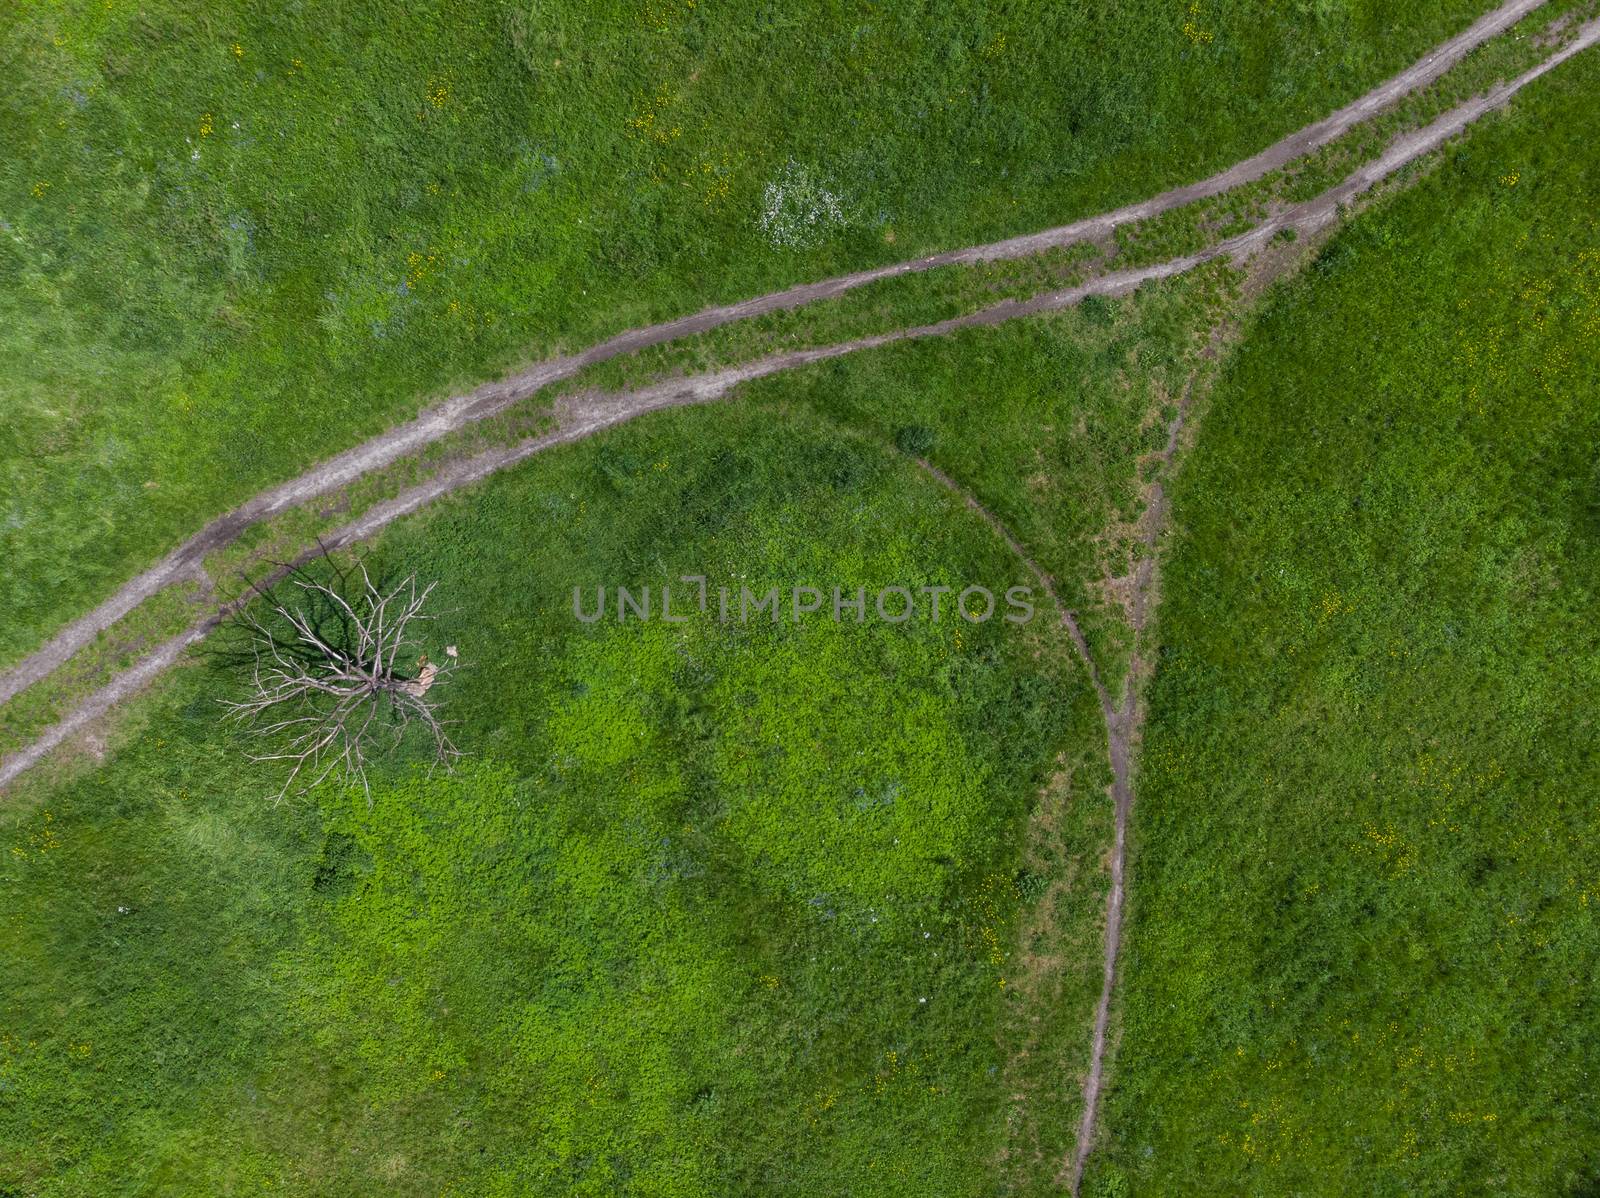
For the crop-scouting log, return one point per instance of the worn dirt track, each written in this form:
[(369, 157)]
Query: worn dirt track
[(581, 415), (185, 562)]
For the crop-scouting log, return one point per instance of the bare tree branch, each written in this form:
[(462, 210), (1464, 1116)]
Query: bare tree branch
[(328, 671)]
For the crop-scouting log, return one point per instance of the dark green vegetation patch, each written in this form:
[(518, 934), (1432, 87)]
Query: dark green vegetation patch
[(1366, 920)]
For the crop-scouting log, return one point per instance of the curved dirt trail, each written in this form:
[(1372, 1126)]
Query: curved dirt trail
[(185, 562), (1069, 621), (581, 415), (1124, 725), (1121, 726)]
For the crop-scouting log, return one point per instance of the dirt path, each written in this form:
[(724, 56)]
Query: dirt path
[(1048, 583), (1124, 723), (1120, 725), (185, 562), (581, 415)]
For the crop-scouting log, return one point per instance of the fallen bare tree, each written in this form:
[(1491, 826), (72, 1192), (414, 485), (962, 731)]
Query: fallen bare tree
[(336, 672)]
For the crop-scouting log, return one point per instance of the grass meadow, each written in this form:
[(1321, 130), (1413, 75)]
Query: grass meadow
[(235, 239), (1050, 423), (1364, 933), (708, 908), (805, 908)]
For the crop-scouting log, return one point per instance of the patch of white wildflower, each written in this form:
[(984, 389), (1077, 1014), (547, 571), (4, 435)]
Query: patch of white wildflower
[(797, 210)]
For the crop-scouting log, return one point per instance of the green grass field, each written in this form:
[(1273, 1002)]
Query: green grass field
[(808, 908), (1364, 934), (1046, 421), (671, 926), (234, 240)]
